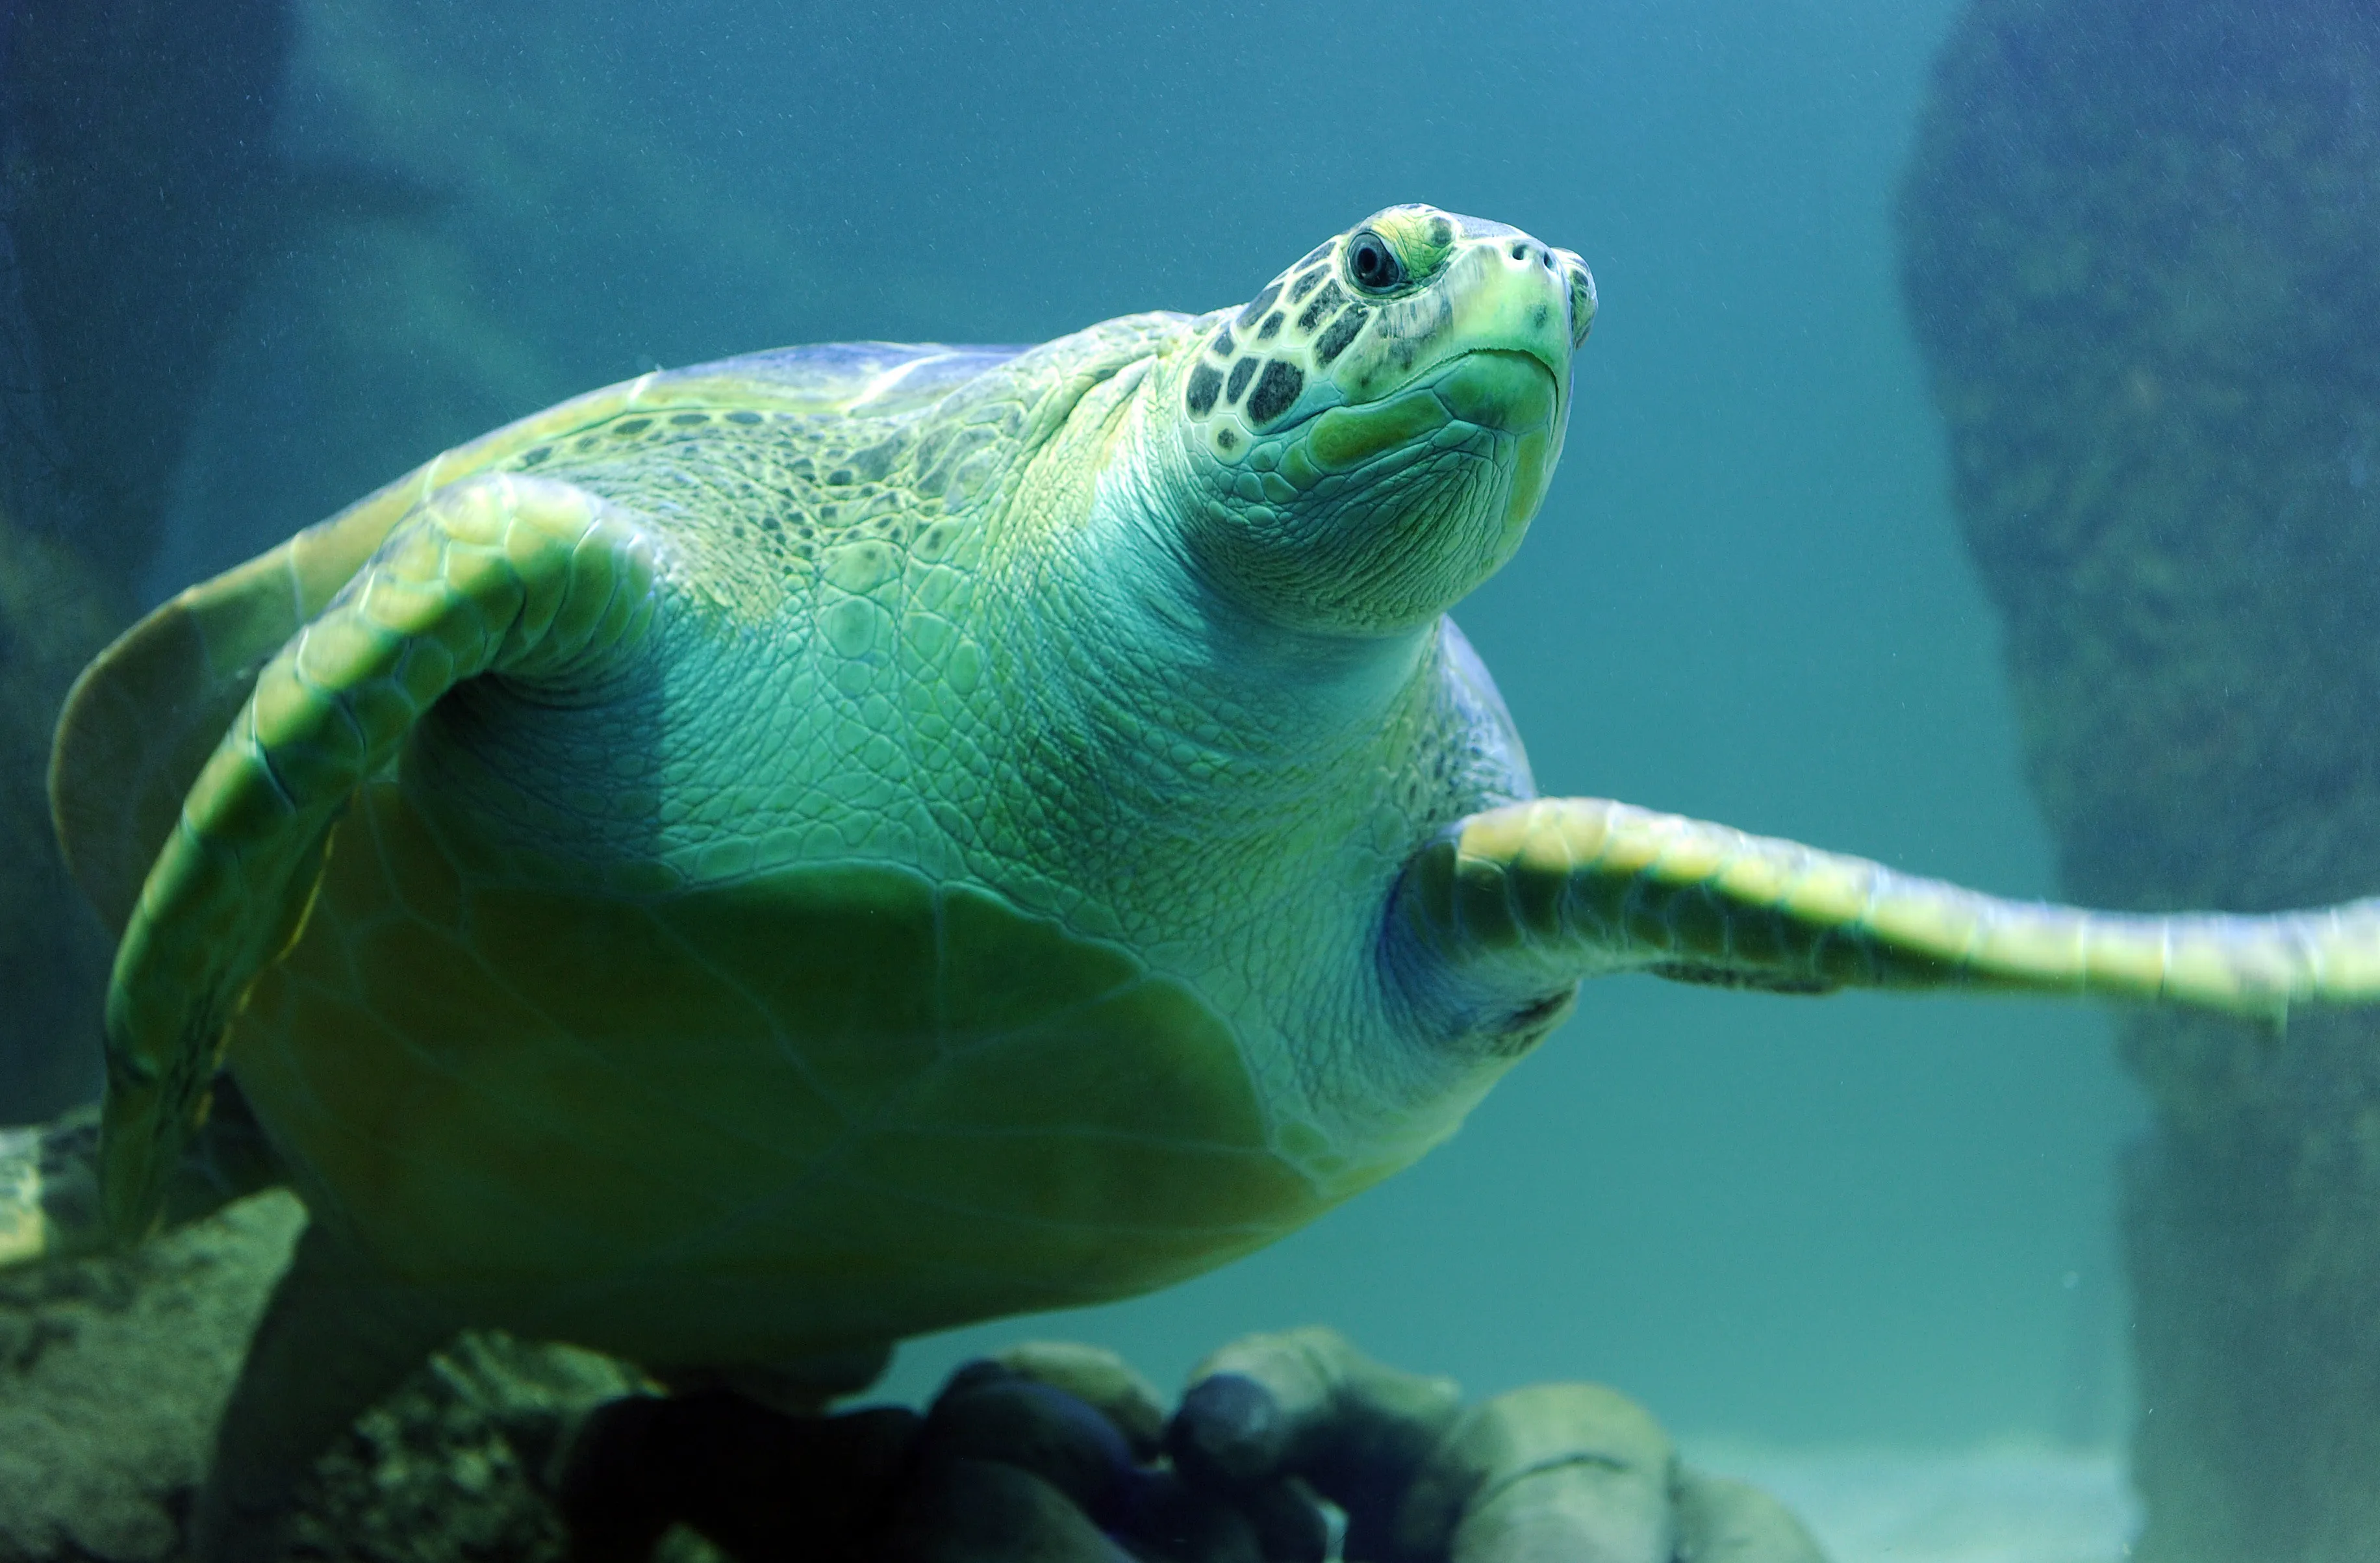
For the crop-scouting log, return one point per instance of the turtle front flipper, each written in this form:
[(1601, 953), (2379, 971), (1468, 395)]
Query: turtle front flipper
[(143, 718), (1497, 920), (527, 577)]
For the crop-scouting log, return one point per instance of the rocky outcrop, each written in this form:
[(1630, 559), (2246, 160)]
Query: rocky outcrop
[(2142, 252), (114, 1370)]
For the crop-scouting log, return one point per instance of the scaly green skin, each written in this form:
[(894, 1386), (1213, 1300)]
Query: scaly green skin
[(618, 984), (816, 848)]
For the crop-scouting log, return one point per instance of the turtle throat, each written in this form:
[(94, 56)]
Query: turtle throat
[(1375, 518)]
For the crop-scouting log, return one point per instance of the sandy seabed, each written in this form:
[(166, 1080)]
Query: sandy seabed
[(2013, 1505)]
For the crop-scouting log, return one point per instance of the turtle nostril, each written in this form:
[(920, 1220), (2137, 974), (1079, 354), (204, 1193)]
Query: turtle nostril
[(1520, 252)]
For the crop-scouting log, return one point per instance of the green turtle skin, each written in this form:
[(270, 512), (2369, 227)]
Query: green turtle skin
[(889, 907), (783, 855)]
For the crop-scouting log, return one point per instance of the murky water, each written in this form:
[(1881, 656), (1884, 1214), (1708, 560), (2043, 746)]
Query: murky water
[(1784, 1224)]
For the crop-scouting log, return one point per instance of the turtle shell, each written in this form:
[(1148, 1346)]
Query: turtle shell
[(817, 1106), (147, 710), (811, 1107)]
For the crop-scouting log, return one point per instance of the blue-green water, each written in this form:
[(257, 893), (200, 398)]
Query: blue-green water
[(1847, 1219)]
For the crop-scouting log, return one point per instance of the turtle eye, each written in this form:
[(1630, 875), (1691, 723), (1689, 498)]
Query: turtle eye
[(1371, 264)]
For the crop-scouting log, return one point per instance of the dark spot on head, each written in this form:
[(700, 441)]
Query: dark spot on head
[(1343, 330), (628, 427), (1224, 346), (1258, 305), (1271, 327), (1280, 386), (1519, 251), (1324, 302), (685, 421), (1226, 440), (1538, 316), (743, 418), (1204, 383), (840, 475), (1242, 372), (532, 459), (1317, 252), (1441, 231), (1305, 285)]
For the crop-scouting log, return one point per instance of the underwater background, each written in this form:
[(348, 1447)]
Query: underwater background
[(1855, 1221), (1745, 598)]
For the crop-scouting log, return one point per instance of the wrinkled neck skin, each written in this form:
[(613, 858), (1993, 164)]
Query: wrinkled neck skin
[(1240, 792), (1263, 684)]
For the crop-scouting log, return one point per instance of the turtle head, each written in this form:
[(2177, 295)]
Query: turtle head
[(1367, 439)]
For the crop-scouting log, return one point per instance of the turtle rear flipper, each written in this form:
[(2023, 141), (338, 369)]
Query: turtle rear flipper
[(1501, 915), (49, 1177), (336, 1338), (497, 574)]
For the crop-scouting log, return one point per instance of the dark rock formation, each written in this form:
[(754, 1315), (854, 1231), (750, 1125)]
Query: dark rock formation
[(112, 1371), (2143, 255), (87, 1469), (114, 1368)]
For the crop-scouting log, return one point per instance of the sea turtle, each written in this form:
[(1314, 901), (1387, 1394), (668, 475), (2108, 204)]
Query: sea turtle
[(774, 857)]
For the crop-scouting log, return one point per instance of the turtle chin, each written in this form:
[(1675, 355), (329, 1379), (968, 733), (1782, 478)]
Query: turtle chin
[(1377, 518), (1490, 389)]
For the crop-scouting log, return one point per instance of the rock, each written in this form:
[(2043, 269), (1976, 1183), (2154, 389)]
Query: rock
[(2139, 258), (986, 1511), (1553, 1473), (1306, 1403), (760, 1482), (112, 1374), (1726, 1521), (1099, 1378), (462, 1461), (114, 1370)]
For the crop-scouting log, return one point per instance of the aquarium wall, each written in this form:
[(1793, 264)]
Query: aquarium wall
[(2139, 249)]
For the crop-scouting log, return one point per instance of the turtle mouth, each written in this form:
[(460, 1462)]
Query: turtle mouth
[(1511, 389), (1502, 388)]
